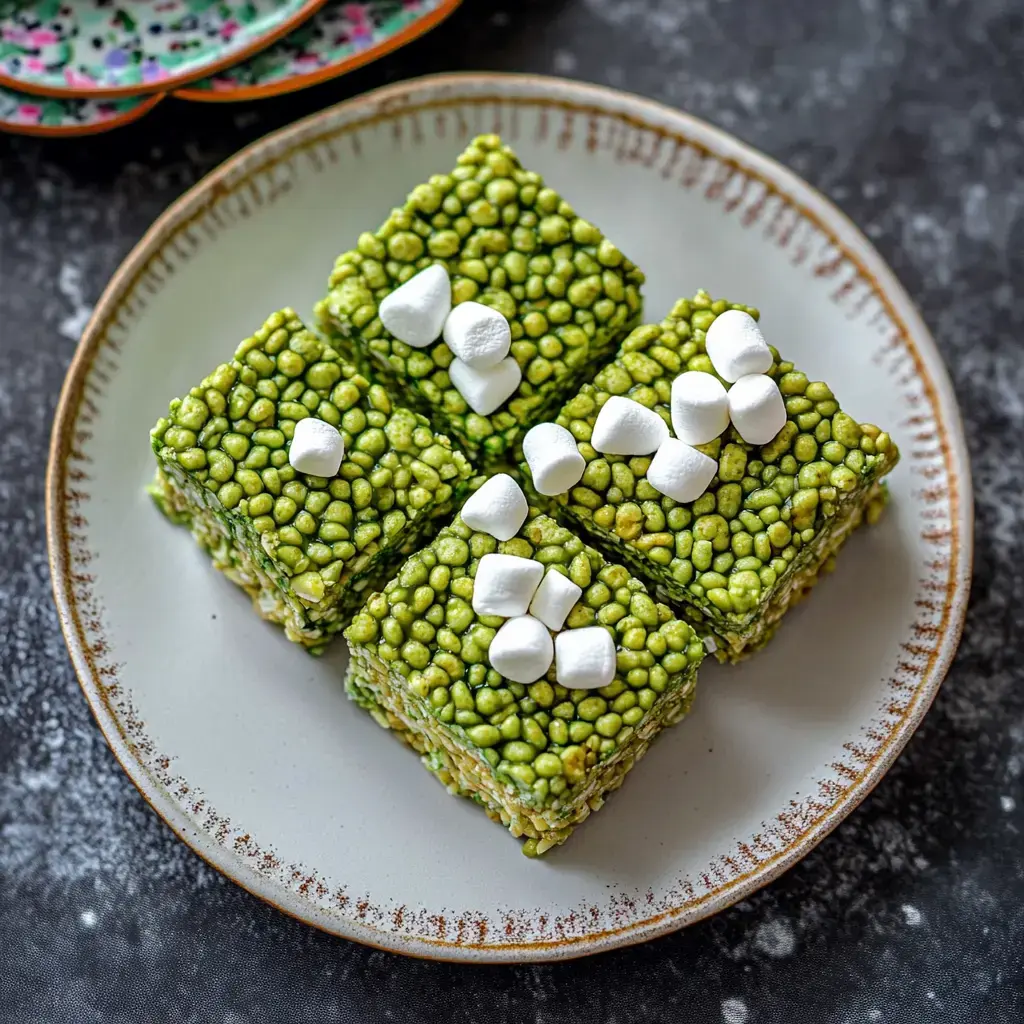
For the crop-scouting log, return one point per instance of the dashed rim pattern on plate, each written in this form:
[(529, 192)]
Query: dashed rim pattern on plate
[(806, 229)]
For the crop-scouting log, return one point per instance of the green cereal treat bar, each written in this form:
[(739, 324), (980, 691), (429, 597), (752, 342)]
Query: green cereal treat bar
[(540, 757), (733, 561), (304, 548), (513, 244)]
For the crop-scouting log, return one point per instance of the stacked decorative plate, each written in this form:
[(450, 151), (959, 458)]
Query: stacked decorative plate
[(83, 66)]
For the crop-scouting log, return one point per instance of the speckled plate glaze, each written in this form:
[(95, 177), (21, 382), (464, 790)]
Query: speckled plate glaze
[(248, 748), (47, 115), (99, 48), (336, 40)]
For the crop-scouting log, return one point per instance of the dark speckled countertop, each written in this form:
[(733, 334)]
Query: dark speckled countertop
[(910, 115)]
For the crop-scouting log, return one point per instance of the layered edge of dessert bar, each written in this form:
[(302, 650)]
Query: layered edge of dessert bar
[(532, 695), (506, 241), (759, 519), (303, 481)]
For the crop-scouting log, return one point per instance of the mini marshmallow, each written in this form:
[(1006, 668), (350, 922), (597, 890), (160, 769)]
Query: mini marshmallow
[(736, 346), (700, 407), (585, 658), (478, 335), (522, 650), (415, 312), (554, 460), (681, 472), (554, 599), (317, 448), (499, 508), (625, 427), (486, 390), (709, 644), (757, 409), (505, 584)]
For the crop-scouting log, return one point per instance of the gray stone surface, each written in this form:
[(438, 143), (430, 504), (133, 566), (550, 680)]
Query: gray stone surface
[(910, 115)]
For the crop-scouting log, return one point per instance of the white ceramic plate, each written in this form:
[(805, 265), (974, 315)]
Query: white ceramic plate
[(248, 748)]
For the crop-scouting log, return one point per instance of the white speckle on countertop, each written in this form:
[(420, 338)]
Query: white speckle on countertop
[(775, 938), (977, 225), (70, 284), (565, 62), (734, 1011), (748, 95), (931, 245), (68, 813), (911, 915)]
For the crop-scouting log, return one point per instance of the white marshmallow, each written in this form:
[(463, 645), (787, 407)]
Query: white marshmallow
[(736, 345), (522, 650), (700, 407), (554, 599), (415, 312), (499, 508), (486, 390), (317, 448), (585, 658), (625, 427), (554, 460), (680, 471), (477, 334), (757, 409), (505, 584)]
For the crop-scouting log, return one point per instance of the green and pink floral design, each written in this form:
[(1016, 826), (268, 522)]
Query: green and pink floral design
[(44, 115), (95, 46), (330, 39)]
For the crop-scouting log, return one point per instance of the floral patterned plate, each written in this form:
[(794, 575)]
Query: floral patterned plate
[(336, 40), (46, 115), (109, 48)]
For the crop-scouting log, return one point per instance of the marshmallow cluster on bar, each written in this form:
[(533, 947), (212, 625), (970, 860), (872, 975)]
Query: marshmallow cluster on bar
[(740, 355), (316, 448), (700, 408), (534, 603), (420, 311)]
